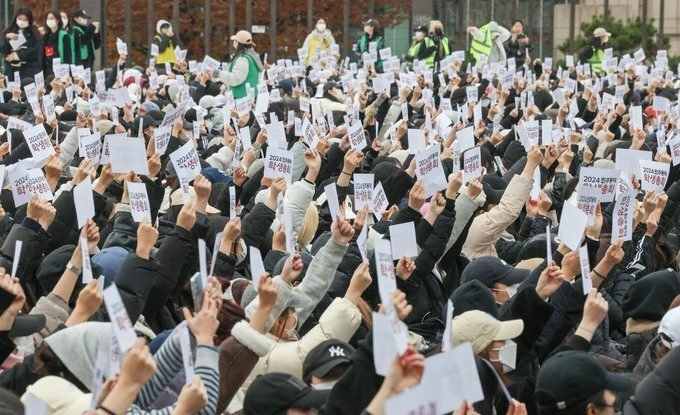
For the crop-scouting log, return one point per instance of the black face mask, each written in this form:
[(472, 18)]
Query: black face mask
[(438, 32)]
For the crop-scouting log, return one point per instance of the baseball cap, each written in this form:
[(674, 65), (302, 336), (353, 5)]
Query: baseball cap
[(601, 32), (147, 120), (331, 84), (422, 28), (490, 269), (670, 328), (571, 377), (650, 111), (176, 199), (326, 356), (244, 37), (80, 13), (276, 392), (59, 395), (480, 329), (372, 22)]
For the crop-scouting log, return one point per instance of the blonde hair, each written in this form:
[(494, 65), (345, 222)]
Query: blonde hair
[(309, 225), (436, 24)]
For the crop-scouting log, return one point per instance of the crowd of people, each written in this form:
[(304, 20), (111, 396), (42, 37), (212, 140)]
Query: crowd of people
[(446, 232)]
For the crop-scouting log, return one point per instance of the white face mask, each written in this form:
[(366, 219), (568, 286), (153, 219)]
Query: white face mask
[(235, 45), (241, 256), (419, 36), (321, 27), (81, 21), (64, 22), (51, 23), (367, 28), (507, 356), (325, 385), (23, 24), (512, 290)]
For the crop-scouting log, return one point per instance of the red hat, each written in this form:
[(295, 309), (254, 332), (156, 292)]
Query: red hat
[(650, 111)]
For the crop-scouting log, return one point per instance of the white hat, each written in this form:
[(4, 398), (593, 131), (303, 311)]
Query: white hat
[(670, 326), (60, 396)]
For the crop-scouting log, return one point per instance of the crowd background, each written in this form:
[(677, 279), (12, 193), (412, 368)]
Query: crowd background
[(467, 231)]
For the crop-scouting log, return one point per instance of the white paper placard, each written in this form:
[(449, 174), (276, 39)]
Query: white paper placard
[(257, 269), (636, 117), (572, 225), (122, 327), (389, 340), (403, 237), (416, 140), (87, 266), (357, 138), (332, 199), (602, 179), (186, 161), (39, 142), (622, 217), (278, 163), (628, 160), (653, 175), (430, 171), (466, 138), (363, 190), (84, 198), (380, 202), (127, 154), (139, 202), (585, 269), (89, 147), (472, 164)]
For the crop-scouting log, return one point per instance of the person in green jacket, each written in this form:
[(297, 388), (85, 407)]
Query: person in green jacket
[(371, 35), (245, 67), (56, 43), (422, 49), (594, 52), (87, 38)]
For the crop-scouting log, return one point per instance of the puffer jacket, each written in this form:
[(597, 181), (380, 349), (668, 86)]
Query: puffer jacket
[(640, 334), (487, 228)]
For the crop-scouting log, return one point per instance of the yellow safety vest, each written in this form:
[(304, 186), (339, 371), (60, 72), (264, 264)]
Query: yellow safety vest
[(596, 60), (413, 51), (323, 44), (167, 55), (483, 47)]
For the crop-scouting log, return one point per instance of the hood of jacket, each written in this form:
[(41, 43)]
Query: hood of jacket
[(256, 58), (77, 348), (659, 392)]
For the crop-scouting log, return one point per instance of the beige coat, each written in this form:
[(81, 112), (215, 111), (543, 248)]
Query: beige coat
[(487, 228)]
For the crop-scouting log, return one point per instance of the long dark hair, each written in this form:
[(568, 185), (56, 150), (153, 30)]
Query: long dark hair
[(242, 47), (47, 363), (30, 30), (57, 15)]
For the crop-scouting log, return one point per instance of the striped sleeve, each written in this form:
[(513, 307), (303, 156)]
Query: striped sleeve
[(168, 363), (207, 369)]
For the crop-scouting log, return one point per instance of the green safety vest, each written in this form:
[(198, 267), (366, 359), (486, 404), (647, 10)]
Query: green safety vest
[(83, 48), (446, 47), (60, 46), (413, 51), (239, 91), (596, 60), (483, 47)]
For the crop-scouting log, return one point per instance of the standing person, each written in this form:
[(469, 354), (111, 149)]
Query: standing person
[(166, 40), (488, 41), (87, 38), (443, 48), (320, 40), (594, 52), (518, 46), (25, 57), (56, 43), (245, 68), (422, 49), (371, 35)]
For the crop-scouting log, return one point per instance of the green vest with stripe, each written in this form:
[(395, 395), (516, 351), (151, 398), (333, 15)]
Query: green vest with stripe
[(596, 60), (84, 54), (252, 78), (481, 47), (60, 46)]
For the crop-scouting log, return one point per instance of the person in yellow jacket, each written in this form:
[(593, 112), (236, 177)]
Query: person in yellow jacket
[(422, 49), (320, 40), (594, 52), (166, 41), (488, 41)]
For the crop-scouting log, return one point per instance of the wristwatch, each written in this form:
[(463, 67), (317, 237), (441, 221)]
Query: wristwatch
[(74, 269)]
